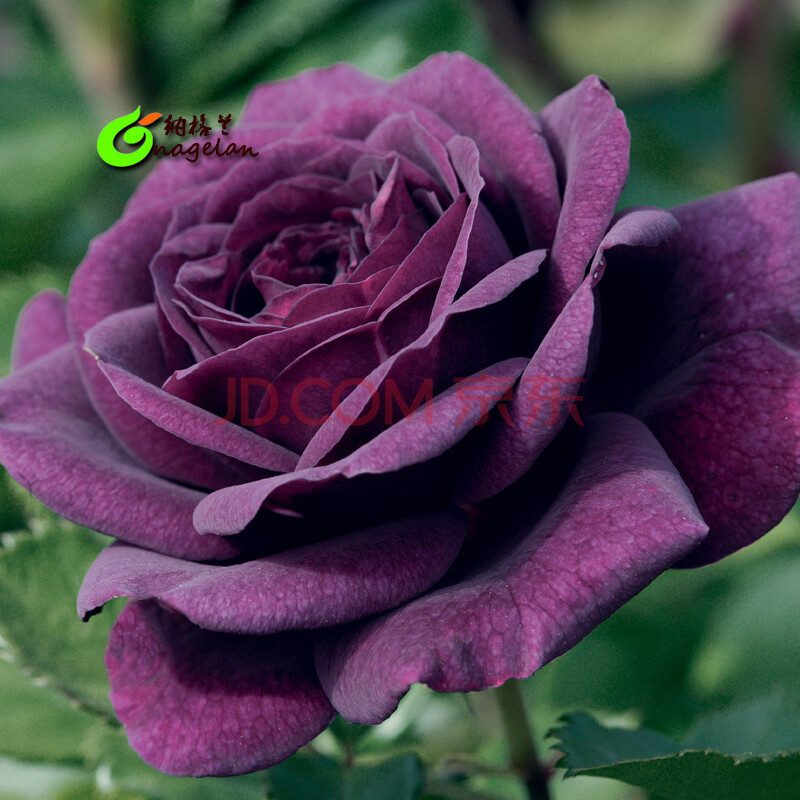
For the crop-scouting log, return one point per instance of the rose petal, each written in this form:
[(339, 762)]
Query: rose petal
[(118, 339), (207, 384), (171, 176), (407, 318), (115, 274), (590, 143), (222, 335), (480, 248), (732, 268), (394, 248), (644, 227), (114, 277), (510, 443), (552, 387), (356, 119), (41, 328), (300, 200), (280, 297), (208, 283), (403, 133), (622, 518), (487, 324), (177, 332), (330, 299), (479, 105), (729, 418), (428, 260), (391, 201), (318, 585), (281, 160), (296, 98), (249, 361), (199, 703), (53, 443), (128, 362), (395, 472), (304, 392)]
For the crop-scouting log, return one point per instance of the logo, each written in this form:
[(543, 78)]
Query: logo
[(136, 132)]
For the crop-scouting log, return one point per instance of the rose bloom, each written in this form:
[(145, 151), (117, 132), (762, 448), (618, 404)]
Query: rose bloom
[(399, 400)]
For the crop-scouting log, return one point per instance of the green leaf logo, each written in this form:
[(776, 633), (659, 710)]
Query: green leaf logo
[(136, 132)]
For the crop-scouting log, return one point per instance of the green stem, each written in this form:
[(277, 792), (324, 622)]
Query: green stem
[(514, 30), (760, 49), (522, 750)]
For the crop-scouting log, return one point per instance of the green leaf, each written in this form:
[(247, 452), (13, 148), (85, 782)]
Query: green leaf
[(637, 657), (38, 724), (676, 772), (678, 636), (587, 743), (125, 771), (348, 733), (23, 781), (317, 777), (89, 790), (40, 575), (255, 35)]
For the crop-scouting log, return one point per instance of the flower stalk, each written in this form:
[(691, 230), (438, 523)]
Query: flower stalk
[(522, 750), (760, 45)]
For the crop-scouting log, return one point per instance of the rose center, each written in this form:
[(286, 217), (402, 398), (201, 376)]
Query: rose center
[(318, 255)]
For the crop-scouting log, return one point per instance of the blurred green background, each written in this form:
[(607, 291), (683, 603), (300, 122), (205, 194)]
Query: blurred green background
[(711, 91)]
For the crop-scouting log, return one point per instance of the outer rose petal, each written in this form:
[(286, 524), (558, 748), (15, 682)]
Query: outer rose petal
[(732, 268), (642, 226), (200, 703), (506, 451), (115, 277), (172, 176), (736, 265), (115, 274), (318, 585), (622, 518), (53, 443), (590, 144), (730, 420), (297, 98), (41, 328)]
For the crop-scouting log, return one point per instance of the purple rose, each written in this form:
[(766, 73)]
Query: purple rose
[(400, 400)]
